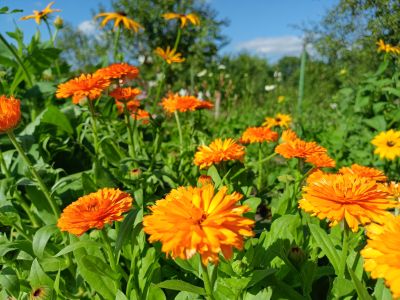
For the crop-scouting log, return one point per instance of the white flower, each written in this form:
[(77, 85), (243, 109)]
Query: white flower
[(202, 73), (141, 59), (333, 105), (221, 67), (200, 95), (269, 88), (152, 83), (183, 92)]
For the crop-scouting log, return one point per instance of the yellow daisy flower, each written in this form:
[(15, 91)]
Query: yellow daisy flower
[(119, 18), (192, 18), (387, 144), (41, 15)]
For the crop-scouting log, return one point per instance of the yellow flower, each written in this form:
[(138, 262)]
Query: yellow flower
[(387, 144), (169, 55), (192, 18), (41, 15), (119, 18), (281, 99), (382, 47), (280, 120)]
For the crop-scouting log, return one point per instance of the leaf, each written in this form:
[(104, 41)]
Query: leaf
[(9, 281), (125, 230), (37, 277), (342, 287), (253, 203), (258, 275), (77, 245), (381, 292), (155, 293), (325, 243), (377, 122), (41, 238), (360, 288), (8, 215), (55, 117), (110, 151), (213, 172), (179, 285), (98, 266), (120, 296), (88, 185)]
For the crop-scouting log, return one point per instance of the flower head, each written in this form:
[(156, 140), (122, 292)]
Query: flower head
[(175, 102), (94, 211), (280, 120), (204, 180), (120, 71), (193, 220), (10, 113), (259, 135), (41, 15), (119, 18), (381, 255), (218, 151), (192, 18), (289, 135), (387, 144), (382, 47), (320, 160), (204, 104), (392, 188), (141, 115), (125, 94), (299, 148), (349, 197), (131, 106), (169, 55), (362, 171), (86, 85)]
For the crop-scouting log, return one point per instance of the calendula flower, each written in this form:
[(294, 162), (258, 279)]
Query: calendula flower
[(218, 151), (41, 15), (131, 106), (387, 144), (175, 102), (125, 94), (121, 71), (280, 120), (10, 113), (259, 135), (192, 18), (169, 55), (141, 115), (382, 252), (299, 148), (349, 197), (382, 47), (320, 160), (204, 180), (84, 86), (194, 220), (392, 188), (94, 211), (362, 171), (289, 135), (120, 18)]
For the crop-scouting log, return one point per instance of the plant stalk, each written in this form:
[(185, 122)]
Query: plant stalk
[(207, 283), (178, 124)]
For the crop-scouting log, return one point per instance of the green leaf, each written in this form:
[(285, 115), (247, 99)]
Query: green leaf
[(8, 215), (110, 151), (258, 275), (155, 293), (88, 185), (41, 238), (342, 287), (377, 122), (253, 203), (125, 230), (360, 288), (120, 296), (37, 277), (55, 117), (179, 285), (213, 172), (77, 245), (326, 245), (381, 292), (98, 266), (9, 281)]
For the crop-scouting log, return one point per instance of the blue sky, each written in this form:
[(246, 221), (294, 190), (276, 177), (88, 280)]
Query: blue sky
[(265, 27)]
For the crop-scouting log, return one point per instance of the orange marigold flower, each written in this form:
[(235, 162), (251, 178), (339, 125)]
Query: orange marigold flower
[(175, 102), (299, 148), (382, 252), (288, 135), (259, 135), (125, 94), (218, 151), (349, 197), (321, 160), (122, 71), (362, 171), (10, 113), (193, 220), (192, 18), (94, 211), (392, 188), (119, 18), (387, 144), (41, 15), (131, 106), (280, 120), (169, 55), (141, 115), (204, 179), (84, 86)]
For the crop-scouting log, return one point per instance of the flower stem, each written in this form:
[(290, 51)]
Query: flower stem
[(39, 180), (108, 249), (94, 127), (178, 124), (207, 284), (130, 132), (178, 38), (116, 42), (259, 167), (345, 246)]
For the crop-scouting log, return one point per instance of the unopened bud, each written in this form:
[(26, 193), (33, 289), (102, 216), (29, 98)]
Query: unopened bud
[(59, 22)]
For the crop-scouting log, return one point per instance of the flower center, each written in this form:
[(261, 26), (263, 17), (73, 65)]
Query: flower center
[(92, 206), (122, 13), (278, 119), (390, 143), (202, 219), (37, 292)]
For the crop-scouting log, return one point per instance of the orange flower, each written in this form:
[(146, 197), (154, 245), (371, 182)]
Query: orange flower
[(125, 94), (259, 135), (203, 104), (193, 220), (321, 160), (41, 15), (89, 86), (362, 171), (218, 151), (119, 18), (10, 113), (280, 120), (204, 180), (120, 71), (131, 106), (349, 197), (94, 211), (175, 102), (192, 18), (289, 135), (392, 188), (299, 148), (141, 115), (381, 255), (169, 55)]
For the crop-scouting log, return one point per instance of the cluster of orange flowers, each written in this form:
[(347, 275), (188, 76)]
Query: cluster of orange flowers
[(10, 113), (175, 102), (311, 152), (387, 144)]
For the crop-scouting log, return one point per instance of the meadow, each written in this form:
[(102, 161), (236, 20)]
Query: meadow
[(156, 180)]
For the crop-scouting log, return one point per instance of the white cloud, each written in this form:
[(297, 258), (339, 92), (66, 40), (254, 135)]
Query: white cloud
[(88, 27), (282, 45)]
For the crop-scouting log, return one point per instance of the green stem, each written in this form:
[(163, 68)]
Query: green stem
[(116, 42), (49, 30), (178, 39), (108, 249), (259, 167), (94, 127), (130, 133), (249, 165), (39, 180), (207, 284), (19, 61), (345, 246), (159, 86), (178, 124), (301, 80)]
